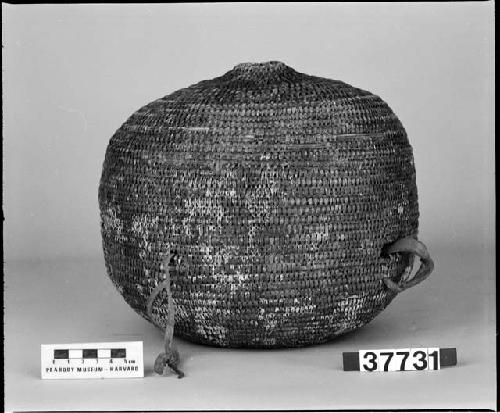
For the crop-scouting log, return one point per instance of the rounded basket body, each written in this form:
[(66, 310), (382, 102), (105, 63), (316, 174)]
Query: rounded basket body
[(276, 191)]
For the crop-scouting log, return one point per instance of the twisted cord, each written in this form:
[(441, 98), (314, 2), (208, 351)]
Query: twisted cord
[(169, 357)]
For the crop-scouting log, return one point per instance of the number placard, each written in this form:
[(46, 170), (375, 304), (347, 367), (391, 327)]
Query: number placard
[(401, 359)]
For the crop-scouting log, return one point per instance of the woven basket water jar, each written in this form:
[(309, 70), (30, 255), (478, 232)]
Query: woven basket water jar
[(288, 203)]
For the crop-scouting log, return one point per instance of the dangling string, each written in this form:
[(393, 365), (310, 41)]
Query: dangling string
[(170, 357)]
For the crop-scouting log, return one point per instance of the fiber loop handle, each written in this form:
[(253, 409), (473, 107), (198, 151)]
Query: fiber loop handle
[(411, 246), (170, 357)]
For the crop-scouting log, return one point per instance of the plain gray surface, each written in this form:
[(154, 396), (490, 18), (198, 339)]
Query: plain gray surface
[(74, 301), (72, 74)]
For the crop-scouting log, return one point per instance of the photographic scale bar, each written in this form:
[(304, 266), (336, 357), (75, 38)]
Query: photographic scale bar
[(105, 360), (102, 353)]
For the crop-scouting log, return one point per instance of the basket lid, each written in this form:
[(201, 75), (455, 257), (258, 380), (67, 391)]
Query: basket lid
[(268, 96), (269, 82)]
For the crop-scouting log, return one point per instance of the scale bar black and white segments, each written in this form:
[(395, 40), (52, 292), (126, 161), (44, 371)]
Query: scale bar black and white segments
[(90, 353)]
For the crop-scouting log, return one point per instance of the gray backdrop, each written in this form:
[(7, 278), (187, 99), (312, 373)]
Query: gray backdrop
[(73, 73)]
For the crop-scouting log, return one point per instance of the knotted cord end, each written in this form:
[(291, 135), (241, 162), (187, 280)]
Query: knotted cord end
[(170, 357)]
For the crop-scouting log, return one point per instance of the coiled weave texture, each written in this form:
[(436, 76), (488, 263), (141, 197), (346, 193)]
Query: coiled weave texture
[(276, 191)]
